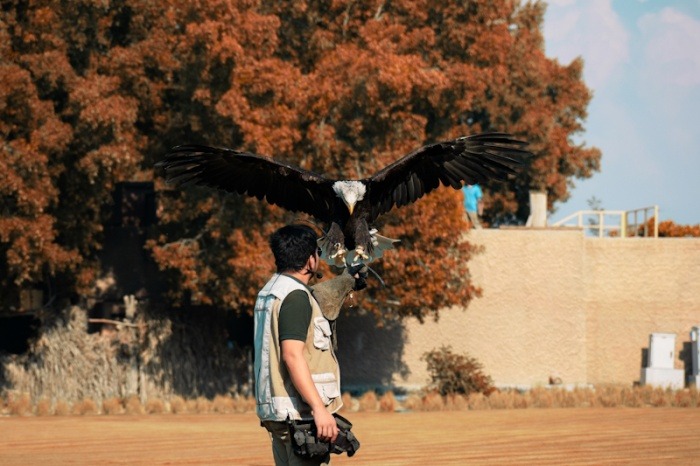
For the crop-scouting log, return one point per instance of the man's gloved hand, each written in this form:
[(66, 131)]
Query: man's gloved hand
[(359, 272)]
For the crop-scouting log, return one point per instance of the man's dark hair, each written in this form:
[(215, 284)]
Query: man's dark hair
[(292, 245)]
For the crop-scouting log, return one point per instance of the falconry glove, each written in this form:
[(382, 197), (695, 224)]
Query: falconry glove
[(359, 270), (331, 294)]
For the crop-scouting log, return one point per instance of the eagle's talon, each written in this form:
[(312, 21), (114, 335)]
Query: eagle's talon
[(338, 251), (360, 252)]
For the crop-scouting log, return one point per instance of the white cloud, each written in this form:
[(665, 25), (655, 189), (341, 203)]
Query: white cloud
[(590, 29), (669, 78), (647, 90), (561, 2), (671, 49)]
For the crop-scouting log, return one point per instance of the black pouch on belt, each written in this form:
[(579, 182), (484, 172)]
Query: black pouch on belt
[(306, 444)]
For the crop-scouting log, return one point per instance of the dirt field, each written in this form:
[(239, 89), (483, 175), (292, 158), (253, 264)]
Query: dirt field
[(658, 436)]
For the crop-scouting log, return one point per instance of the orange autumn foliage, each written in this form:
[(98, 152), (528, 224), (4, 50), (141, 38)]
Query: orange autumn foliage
[(670, 229), (93, 93)]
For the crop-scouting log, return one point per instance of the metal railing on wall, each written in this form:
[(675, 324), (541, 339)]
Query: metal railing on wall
[(643, 222)]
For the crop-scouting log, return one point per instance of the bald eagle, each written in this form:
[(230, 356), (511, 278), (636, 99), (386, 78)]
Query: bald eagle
[(349, 207)]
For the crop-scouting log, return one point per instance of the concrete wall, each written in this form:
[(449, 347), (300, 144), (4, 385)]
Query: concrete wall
[(554, 303), (636, 287)]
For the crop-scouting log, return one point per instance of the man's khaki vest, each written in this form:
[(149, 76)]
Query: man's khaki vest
[(276, 396)]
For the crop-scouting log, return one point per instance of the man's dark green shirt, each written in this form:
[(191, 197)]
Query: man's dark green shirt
[(295, 315)]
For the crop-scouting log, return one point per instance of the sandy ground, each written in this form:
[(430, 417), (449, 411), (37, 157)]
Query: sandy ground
[(654, 436)]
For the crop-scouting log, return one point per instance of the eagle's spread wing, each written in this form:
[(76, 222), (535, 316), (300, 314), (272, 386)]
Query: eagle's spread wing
[(470, 159), (289, 187)]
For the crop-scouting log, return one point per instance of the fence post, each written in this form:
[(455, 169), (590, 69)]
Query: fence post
[(656, 221)]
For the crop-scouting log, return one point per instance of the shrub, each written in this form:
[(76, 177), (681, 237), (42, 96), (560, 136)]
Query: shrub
[(178, 405), (686, 399), (432, 401), (20, 405), (244, 404), (223, 404), (62, 408), (456, 402), (43, 407), (112, 406), (369, 401), (660, 398), (477, 401), (202, 405), (85, 407), (456, 373), (508, 399), (133, 405), (191, 405), (155, 406), (387, 403), (413, 402), (348, 404)]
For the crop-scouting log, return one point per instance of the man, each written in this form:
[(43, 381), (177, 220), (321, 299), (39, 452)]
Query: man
[(296, 370), (472, 203)]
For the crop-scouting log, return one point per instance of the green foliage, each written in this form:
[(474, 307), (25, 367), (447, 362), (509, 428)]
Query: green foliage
[(452, 373)]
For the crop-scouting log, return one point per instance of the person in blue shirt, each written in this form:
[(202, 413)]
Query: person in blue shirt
[(472, 203)]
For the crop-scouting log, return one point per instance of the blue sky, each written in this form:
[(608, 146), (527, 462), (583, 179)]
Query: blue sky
[(642, 61)]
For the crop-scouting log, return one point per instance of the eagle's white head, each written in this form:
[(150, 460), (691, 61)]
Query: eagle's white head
[(350, 192)]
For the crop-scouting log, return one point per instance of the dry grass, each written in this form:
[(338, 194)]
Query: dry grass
[(62, 408), (19, 405), (202, 405), (433, 401), (456, 402), (687, 398), (244, 404), (413, 402), (508, 399), (133, 405), (154, 406), (112, 406), (178, 405), (43, 407), (348, 403), (388, 402), (191, 405), (86, 407), (223, 404), (369, 402), (478, 401), (536, 398)]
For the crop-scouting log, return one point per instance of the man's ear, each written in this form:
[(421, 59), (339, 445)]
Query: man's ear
[(309, 263)]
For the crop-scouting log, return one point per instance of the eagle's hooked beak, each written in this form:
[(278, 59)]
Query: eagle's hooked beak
[(350, 204)]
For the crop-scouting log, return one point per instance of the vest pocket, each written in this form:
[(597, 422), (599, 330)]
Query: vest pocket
[(327, 387), (322, 333)]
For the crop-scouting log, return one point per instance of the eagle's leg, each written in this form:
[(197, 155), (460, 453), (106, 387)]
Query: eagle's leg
[(363, 240), (336, 243)]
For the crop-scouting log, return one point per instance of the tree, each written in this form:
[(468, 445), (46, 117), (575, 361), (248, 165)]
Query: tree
[(341, 87), (670, 229)]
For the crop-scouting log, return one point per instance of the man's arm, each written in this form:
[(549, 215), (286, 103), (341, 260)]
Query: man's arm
[(292, 355)]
